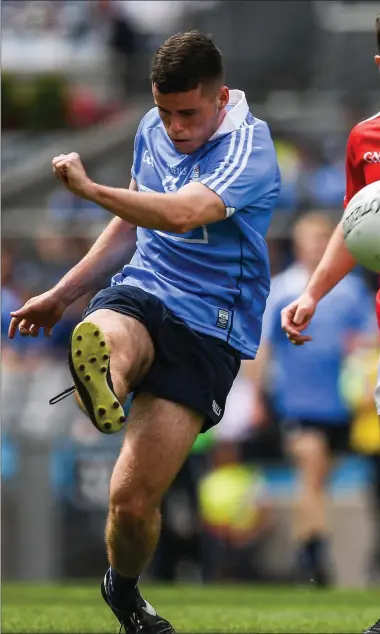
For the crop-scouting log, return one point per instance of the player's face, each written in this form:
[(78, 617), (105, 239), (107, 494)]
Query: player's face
[(310, 244), (191, 118), (377, 61)]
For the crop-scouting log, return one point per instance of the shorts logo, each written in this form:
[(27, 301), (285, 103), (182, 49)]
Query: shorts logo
[(216, 409), (223, 317)]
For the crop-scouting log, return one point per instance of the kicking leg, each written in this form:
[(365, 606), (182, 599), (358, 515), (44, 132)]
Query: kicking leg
[(109, 354)]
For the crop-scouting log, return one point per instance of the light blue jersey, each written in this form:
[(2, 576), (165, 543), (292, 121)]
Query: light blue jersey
[(215, 277), (305, 380)]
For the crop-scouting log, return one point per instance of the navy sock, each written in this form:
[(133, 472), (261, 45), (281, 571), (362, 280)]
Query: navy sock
[(315, 550), (121, 590)]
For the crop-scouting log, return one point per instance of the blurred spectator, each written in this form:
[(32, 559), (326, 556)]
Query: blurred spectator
[(235, 515), (11, 298), (359, 375), (325, 184), (68, 208), (289, 160), (302, 384)]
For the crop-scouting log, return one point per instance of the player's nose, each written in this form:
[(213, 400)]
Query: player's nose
[(176, 127)]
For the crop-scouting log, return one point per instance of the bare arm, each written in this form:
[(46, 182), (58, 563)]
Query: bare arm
[(104, 257), (335, 264), (192, 206)]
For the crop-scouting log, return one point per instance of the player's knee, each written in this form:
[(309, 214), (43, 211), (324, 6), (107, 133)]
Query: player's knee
[(129, 508), (310, 449), (312, 459)]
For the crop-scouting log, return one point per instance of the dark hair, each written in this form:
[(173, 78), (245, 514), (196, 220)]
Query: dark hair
[(186, 60), (378, 32)]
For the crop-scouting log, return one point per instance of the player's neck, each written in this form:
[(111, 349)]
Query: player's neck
[(222, 114)]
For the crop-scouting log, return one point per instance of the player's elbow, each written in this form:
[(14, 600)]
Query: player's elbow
[(184, 219)]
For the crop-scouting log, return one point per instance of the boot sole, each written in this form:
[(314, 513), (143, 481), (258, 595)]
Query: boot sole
[(89, 361)]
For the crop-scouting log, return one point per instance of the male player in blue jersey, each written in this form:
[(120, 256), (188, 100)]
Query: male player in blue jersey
[(175, 323)]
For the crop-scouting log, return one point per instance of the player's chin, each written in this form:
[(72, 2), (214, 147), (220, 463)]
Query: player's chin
[(185, 147)]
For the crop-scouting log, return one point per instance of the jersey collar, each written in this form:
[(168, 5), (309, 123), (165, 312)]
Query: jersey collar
[(235, 116)]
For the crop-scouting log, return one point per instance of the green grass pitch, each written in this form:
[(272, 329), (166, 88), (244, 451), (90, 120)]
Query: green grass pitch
[(219, 609)]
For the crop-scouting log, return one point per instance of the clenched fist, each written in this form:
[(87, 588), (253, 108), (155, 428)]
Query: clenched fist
[(69, 169), (296, 317)]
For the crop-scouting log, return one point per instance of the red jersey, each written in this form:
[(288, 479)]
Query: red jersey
[(363, 163)]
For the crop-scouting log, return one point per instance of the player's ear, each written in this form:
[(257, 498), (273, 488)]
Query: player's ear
[(377, 61), (223, 97)]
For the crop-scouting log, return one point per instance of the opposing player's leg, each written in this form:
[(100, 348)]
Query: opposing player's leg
[(109, 353), (310, 453), (158, 439), (375, 628)]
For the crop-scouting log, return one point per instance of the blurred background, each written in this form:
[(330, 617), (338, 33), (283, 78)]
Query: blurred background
[(75, 77)]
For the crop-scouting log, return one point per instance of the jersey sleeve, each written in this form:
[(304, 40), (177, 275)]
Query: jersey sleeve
[(136, 145), (243, 167), (354, 172), (133, 168)]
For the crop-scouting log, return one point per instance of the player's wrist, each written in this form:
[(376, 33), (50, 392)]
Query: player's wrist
[(64, 294), (89, 190), (312, 295)]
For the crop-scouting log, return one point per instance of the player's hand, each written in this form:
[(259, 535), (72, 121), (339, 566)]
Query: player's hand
[(69, 169), (296, 317), (43, 311)]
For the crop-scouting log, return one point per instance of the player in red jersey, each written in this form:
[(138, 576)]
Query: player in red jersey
[(362, 168)]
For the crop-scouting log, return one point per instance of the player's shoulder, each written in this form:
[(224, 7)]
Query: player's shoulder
[(259, 127), (364, 125), (251, 129), (151, 119)]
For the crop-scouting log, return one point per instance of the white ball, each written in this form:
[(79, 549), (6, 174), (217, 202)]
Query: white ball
[(361, 226)]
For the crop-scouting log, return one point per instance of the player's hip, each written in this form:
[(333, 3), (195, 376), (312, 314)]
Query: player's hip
[(190, 367), (231, 319)]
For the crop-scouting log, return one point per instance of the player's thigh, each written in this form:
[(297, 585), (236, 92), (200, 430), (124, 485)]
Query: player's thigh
[(132, 349), (310, 452), (158, 439)]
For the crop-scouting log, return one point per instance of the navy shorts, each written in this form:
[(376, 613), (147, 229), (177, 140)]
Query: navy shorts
[(189, 368), (336, 435)]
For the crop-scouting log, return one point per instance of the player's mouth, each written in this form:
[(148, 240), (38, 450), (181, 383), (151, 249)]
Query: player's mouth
[(184, 146)]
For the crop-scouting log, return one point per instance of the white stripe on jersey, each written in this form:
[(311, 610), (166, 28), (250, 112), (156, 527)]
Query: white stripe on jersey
[(235, 162), (231, 148), (243, 163)]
